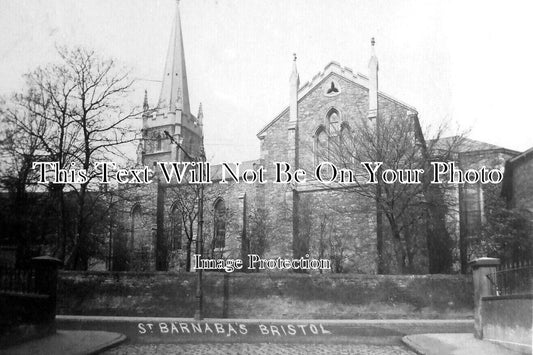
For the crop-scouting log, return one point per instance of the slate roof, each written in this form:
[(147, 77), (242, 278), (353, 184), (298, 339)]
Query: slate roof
[(216, 170), (466, 145)]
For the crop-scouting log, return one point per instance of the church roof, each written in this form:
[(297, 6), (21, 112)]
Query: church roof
[(526, 154), (346, 73), (216, 170), (174, 90), (462, 144)]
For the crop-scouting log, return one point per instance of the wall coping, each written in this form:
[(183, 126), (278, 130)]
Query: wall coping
[(484, 262), (522, 296), (281, 275)]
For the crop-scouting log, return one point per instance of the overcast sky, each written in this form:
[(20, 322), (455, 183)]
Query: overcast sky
[(469, 62)]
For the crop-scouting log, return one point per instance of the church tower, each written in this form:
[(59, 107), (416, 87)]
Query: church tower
[(170, 123)]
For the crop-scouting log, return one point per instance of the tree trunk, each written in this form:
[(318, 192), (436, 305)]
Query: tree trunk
[(189, 244), (398, 246), (81, 257)]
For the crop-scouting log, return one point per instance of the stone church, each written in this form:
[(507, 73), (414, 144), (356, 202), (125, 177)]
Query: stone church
[(162, 221)]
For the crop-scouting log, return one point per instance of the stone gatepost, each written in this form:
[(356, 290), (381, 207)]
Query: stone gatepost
[(46, 270), (482, 287)]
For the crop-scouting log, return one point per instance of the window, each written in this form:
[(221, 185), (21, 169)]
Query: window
[(333, 116), (136, 226), (190, 145), (331, 88), (158, 142), (333, 121), (175, 229), (219, 237), (345, 132), (473, 203), (321, 145), (344, 138), (346, 149), (326, 137)]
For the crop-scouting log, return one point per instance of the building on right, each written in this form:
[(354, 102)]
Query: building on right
[(489, 219), (472, 206), (517, 187), (518, 183)]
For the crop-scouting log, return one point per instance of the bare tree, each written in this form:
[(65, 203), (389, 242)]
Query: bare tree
[(259, 231), (18, 152), (98, 113), (399, 145), (75, 112), (185, 201)]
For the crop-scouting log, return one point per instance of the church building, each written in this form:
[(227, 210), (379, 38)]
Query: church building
[(162, 221)]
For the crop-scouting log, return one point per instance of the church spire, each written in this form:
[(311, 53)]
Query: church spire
[(145, 102), (200, 116), (174, 90), (145, 113)]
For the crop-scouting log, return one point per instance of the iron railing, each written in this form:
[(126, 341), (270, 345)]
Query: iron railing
[(19, 280), (512, 279)]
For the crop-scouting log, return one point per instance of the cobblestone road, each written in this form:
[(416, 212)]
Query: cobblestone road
[(262, 348)]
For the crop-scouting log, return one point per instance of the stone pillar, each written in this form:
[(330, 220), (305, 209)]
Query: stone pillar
[(482, 287), (292, 155), (373, 68), (161, 247)]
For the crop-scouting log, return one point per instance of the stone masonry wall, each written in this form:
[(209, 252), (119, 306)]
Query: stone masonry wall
[(523, 183), (340, 227), (356, 219), (277, 197), (267, 295)]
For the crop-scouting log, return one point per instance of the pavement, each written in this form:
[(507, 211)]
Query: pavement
[(260, 348), (68, 342), (80, 335), (454, 344)]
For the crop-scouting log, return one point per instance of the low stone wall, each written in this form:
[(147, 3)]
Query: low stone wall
[(266, 295), (507, 320)]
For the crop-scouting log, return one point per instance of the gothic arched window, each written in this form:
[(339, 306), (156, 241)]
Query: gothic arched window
[(333, 116), (346, 145), (333, 121), (219, 237), (175, 228), (136, 225), (321, 145), (345, 134), (158, 142), (190, 145)]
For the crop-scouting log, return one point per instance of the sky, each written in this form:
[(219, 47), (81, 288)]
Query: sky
[(468, 63)]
